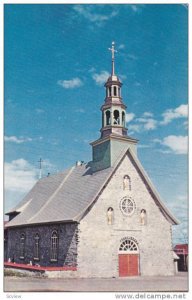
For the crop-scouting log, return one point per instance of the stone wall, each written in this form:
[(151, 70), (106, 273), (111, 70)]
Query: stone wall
[(99, 242), (5, 245), (67, 250)]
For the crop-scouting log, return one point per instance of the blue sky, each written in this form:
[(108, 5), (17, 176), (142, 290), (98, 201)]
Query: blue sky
[(56, 62)]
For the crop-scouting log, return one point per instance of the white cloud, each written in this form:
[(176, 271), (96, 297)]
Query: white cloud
[(39, 110), (147, 114), (171, 114), (121, 46), (137, 83), (80, 110), (16, 140), (134, 8), (177, 144), (122, 77), (141, 120), (157, 141), (182, 197), (98, 18), (132, 56), (129, 117), (92, 70), (164, 151), (142, 124), (135, 128), (137, 8), (100, 78), (148, 123), (143, 146), (71, 84), (20, 176)]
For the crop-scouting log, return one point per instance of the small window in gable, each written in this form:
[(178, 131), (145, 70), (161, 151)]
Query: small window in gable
[(110, 216), (127, 183), (143, 217)]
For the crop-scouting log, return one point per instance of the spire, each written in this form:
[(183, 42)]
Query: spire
[(113, 109), (113, 58), (114, 138)]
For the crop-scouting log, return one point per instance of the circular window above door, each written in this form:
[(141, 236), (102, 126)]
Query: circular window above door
[(127, 206)]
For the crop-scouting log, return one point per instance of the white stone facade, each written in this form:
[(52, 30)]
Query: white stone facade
[(99, 242)]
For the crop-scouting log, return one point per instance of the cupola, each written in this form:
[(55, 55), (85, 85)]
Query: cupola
[(114, 138), (113, 110)]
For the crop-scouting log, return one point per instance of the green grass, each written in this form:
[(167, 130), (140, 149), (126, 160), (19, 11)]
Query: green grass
[(15, 273), (8, 272)]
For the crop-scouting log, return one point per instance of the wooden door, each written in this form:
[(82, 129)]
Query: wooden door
[(128, 265)]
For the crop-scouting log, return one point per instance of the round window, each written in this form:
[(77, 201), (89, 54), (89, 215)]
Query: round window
[(127, 206)]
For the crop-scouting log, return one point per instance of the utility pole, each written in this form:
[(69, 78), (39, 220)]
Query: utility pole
[(40, 167)]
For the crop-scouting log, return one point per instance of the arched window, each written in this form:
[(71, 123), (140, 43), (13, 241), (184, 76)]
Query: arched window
[(22, 246), (115, 91), (108, 117), (54, 246), (143, 217), (110, 91), (127, 183), (119, 92), (129, 245), (123, 119), (36, 246), (110, 215), (116, 117)]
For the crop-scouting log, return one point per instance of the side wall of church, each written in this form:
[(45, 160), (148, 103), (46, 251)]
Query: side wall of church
[(67, 244), (99, 242)]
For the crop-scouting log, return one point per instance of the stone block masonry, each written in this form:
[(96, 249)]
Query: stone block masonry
[(99, 242), (67, 244)]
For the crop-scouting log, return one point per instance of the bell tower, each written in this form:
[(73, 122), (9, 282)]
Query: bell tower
[(114, 138), (113, 110)]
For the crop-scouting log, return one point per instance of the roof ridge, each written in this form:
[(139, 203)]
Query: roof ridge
[(113, 168), (153, 188), (54, 194), (164, 209)]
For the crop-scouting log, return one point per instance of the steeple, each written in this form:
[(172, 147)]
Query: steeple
[(113, 58), (114, 138), (113, 110)]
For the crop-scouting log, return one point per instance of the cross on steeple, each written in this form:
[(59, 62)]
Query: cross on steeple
[(113, 57)]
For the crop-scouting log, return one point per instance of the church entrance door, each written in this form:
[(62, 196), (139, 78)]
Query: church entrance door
[(128, 258)]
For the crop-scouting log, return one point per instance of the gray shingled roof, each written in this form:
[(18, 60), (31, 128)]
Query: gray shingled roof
[(60, 197), (67, 196)]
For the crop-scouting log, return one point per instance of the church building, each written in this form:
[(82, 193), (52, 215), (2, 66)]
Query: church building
[(100, 219)]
